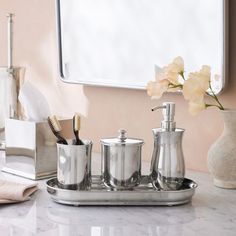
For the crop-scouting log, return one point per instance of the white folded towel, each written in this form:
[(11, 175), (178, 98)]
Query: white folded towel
[(11, 192)]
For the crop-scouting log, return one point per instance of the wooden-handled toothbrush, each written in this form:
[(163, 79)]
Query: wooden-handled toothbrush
[(56, 129), (76, 128)]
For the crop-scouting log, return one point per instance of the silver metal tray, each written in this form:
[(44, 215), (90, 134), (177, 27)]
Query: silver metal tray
[(144, 194)]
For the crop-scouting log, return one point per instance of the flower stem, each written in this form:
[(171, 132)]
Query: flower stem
[(181, 73), (212, 105), (176, 86), (215, 97)]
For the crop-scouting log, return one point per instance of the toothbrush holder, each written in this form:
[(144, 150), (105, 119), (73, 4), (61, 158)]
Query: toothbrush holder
[(74, 165)]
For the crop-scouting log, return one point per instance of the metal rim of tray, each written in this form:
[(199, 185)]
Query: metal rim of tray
[(144, 194)]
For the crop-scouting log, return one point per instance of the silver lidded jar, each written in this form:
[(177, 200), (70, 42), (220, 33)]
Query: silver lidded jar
[(121, 161)]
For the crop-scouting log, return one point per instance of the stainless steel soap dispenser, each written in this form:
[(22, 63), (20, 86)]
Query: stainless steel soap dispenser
[(167, 165)]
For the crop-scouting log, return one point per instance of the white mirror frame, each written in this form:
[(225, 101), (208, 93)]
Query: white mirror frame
[(63, 66)]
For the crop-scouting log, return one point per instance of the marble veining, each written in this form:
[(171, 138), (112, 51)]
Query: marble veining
[(211, 212)]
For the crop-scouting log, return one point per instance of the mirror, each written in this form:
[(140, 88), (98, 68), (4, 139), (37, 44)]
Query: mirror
[(122, 43)]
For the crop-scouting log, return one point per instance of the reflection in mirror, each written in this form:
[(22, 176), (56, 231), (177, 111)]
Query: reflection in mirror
[(122, 43)]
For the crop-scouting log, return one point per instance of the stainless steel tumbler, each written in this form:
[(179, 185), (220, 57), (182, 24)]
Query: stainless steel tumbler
[(74, 165), (121, 161)]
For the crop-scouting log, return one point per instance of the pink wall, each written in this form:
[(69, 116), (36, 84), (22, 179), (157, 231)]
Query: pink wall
[(105, 110)]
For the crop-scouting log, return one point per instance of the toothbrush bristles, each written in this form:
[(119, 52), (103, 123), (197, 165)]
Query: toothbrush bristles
[(76, 122), (55, 123), (56, 129)]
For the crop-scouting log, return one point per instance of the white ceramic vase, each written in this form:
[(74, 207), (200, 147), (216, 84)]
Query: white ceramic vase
[(222, 154)]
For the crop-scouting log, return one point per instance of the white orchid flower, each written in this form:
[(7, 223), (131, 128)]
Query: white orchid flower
[(195, 107), (194, 88), (156, 89)]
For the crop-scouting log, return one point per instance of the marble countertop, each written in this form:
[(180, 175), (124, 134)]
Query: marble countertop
[(211, 212)]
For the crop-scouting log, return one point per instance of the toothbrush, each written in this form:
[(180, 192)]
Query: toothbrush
[(56, 129), (76, 128)]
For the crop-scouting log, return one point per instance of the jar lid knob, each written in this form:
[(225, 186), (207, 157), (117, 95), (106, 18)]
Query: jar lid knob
[(122, 135)]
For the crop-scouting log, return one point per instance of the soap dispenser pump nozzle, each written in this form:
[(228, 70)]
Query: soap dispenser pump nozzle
[(168, 111)]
